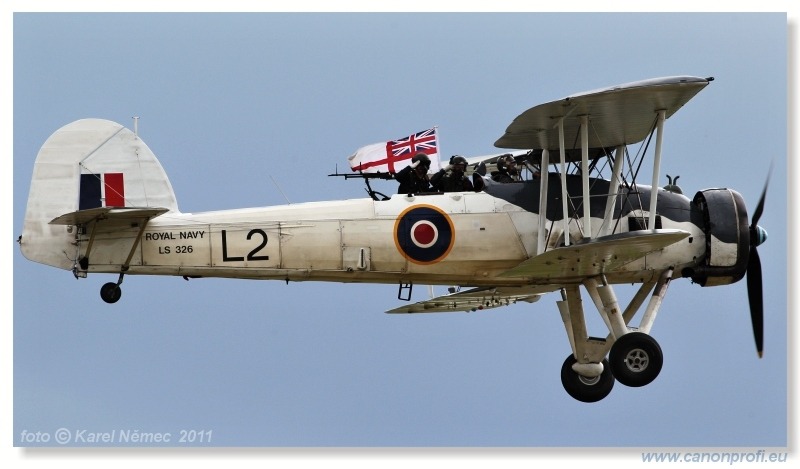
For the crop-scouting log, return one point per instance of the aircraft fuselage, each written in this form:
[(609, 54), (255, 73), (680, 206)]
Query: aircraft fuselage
[(466, 238)]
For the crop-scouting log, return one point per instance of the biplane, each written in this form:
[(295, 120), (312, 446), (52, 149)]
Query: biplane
[(578, 222)]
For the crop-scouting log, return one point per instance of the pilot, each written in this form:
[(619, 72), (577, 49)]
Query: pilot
[(506, 169), (455, 180), (413, 178)]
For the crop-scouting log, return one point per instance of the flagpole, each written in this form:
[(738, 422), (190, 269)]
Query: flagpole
[(438, 147)]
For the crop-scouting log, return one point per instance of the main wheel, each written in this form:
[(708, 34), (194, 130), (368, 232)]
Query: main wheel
[(110, 292), (583, 388), (636, 359)]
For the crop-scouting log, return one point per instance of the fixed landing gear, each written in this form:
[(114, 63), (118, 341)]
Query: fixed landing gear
[(583, 388), (627, 354), (636, 359), (111, 292)]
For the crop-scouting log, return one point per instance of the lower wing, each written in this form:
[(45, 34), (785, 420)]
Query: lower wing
[(476, 299)]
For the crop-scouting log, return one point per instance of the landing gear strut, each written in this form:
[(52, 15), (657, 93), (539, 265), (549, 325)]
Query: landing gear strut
[(111, 292), (634, 357)]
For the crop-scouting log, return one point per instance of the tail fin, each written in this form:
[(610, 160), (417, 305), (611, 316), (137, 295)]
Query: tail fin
[(87, 164)]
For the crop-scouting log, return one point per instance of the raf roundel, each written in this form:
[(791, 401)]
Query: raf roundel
[(424, 234)]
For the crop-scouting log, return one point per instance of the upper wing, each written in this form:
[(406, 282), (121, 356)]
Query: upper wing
[(477, 299), (618, 115)]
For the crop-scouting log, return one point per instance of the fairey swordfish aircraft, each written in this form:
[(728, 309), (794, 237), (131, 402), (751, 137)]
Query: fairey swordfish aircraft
[(100, 202)]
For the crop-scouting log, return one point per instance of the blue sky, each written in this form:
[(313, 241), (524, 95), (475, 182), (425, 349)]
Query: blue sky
[(229, 102)]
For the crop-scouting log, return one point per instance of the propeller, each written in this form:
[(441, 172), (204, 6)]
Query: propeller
[(755, 290)]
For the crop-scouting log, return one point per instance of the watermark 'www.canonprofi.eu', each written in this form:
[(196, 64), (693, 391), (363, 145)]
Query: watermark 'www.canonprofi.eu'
[(80, 436), (730, 457)]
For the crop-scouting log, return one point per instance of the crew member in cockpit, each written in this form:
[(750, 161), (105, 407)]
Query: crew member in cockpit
[(455, 180), (452, 178), (413, 178), (506, 170)]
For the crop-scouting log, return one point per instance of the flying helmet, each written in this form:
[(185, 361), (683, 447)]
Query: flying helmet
[(458, 159), (503, 162), (423, 160)]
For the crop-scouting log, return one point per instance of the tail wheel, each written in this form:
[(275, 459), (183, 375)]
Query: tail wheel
[(110, 292), (636, 359), (583, 388)]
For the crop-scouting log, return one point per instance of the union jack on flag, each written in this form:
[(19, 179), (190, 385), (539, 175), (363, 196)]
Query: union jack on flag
[(394, 155)]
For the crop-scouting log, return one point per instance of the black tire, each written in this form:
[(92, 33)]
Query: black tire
[(110, 292), (586, 389), (636, 359)]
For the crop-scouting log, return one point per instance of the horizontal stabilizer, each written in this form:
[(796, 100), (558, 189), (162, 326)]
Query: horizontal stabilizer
[(595, 256), (477, 299)]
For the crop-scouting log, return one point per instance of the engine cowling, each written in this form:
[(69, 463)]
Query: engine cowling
[(725, 224)]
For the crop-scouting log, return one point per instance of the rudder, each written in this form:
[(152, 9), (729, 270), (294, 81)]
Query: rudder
[(86, 164)]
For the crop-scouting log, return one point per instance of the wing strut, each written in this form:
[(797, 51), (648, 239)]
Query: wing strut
[(613, 189), (543, 179), (564, 212), (587, 212), (651, 222)]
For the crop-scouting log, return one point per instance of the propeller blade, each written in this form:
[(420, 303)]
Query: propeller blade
[(760, 206), (755, 296)]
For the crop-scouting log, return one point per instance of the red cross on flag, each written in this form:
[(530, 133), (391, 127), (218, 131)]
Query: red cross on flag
[(394, 155)]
